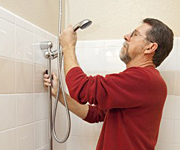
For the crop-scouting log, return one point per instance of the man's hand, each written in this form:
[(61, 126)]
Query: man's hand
[(68, 39), (47, 83), (78, 109)]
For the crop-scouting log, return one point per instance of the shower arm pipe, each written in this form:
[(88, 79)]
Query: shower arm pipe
[(50, 108)]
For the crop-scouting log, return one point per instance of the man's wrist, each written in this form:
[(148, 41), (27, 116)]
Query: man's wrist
[(68, 49)]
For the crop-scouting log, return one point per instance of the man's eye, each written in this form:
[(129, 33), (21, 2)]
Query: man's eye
[(135, 34)]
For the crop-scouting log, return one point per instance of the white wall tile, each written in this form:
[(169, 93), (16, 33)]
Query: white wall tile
[(81, 143), (41, 102), (73, 143), (80, 56), (8, 140), (178, 59), (41, 134), (38, 53), (7, 15), (170, 63), (176, 136), (77, 123), (24, 40), (59, 146), (176, 146), (46, 147), (168, 110), (7, 111), (24, 24), (90, 44), (177, 106), (88, 143), (24, 109), (7, 39), (39, 32), (91, 59), (112, 60), (90, 130), (114, 43), (163, 146), (166, 131), (26, 137)]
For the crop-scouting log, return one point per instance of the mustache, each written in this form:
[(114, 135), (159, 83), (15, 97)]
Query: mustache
[(125, 44)]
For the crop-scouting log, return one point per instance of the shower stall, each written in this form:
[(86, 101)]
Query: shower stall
[(25, 122)]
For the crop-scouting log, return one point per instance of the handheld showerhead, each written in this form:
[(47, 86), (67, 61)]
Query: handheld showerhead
[(83, 24)]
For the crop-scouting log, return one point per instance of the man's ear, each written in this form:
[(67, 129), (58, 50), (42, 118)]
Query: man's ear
[(151, 48)]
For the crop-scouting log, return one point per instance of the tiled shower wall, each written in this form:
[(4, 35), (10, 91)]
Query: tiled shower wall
[(24, 103), (24, 123)]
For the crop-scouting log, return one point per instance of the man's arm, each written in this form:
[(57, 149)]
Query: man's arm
[(68, 40), (78, 109), (75, 107), (91, 114)]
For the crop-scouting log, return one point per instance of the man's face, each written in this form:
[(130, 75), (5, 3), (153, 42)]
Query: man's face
[(134, 43)]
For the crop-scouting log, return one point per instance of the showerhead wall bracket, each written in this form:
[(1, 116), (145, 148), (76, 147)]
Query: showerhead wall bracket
[(47, 46)]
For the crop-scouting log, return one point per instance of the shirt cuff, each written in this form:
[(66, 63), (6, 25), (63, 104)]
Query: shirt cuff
[(88, 118)]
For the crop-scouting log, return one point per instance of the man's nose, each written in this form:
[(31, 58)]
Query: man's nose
[(127, 37)]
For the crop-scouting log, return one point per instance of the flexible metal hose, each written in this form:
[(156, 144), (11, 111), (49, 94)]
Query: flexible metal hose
[(60, 84)]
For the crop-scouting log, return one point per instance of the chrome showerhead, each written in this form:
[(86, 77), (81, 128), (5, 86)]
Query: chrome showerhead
[(83, 24)]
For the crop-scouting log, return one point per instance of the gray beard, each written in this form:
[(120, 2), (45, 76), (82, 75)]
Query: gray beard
[(125, 57)]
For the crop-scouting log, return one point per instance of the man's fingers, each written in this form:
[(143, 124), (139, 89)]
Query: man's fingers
[(47, 80), (46, 76), (47, 84), (54, 76)]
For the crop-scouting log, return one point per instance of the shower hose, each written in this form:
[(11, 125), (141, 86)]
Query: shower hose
[(60, 85)]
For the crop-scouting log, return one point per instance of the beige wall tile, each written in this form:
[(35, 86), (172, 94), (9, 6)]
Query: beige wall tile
[(7, 76), (38, 86), (24, 77)]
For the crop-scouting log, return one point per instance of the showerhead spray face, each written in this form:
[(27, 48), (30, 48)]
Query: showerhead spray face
[(83, 24)]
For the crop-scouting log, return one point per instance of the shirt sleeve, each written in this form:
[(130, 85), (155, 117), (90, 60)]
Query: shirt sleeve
[(95, 114), (123, 90)]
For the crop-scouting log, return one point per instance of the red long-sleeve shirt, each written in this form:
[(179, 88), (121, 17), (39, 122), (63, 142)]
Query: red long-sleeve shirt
[(130, 103)]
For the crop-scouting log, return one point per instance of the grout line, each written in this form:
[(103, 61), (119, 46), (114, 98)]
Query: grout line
[(17, 134), (20, 126), (34, 136)]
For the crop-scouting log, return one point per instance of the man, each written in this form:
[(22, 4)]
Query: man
[(130, 102)]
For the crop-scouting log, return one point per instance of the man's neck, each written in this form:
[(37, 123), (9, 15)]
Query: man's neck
[(139, 62)]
